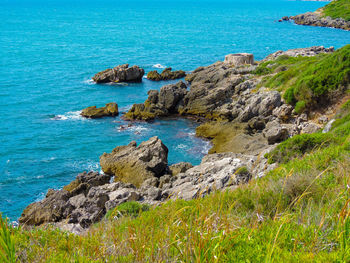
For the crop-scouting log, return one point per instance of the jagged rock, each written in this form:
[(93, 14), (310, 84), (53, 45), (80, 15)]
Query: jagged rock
[(121, 73), (84, 181), (162, 103), (167, 74), (304, 52), (134, 164), (51, 209), (179, 168), (111, 109), (275, 132), (239, 59)]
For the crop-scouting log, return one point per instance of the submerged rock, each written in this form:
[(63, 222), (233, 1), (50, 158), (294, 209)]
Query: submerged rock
[(121, 73), (111, 109), (167, 74), (135, 164)]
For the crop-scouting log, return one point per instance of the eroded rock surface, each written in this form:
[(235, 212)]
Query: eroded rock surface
[(167, 74), (135, 164), (121, 73)]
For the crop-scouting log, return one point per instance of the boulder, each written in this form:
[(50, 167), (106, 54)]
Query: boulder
[(121, 73), (275, 132), (167, 74), (135, 164), (111, 109), (239, 59)]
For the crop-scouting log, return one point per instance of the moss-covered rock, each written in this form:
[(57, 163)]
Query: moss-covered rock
[(121, 73), (231, 137), (111, 109)]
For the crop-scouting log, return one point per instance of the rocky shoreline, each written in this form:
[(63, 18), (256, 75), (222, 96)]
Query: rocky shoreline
[(316, 19), (243, 120)]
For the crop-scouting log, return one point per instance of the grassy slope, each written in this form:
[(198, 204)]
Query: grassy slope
[(298, 213), (337, 9), (308, 81)]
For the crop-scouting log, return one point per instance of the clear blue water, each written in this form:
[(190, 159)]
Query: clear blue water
[(50, 49)]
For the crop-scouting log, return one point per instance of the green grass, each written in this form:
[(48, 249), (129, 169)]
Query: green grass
[(7, 246), (308, 82), (299, 212), (337, 9), (131, 208)]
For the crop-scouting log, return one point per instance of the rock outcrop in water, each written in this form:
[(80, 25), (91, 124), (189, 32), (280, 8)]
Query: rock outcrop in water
[(316, 19), (135, 164), (111, 109), (167, 74), (121, 73)]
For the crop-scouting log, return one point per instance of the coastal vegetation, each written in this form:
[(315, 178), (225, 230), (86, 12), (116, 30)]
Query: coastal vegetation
[(299, 212), (337, 9), (308, 82)]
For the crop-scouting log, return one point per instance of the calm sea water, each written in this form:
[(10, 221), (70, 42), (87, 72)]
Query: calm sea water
[(49, 50)]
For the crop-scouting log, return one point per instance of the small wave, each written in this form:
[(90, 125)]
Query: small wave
[(39, 177), (71, 115), (181, 146), (158, 66), (89, 82)]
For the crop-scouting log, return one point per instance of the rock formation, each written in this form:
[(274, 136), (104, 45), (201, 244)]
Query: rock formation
[(316, 19), (135, 164), (304, 52), (121, 73), (111, 109), (167, 74)]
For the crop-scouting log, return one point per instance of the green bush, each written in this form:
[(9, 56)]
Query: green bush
[(337, 9), (298, 145), (300, 106), (311, 80)]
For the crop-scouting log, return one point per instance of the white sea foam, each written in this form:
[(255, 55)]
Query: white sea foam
[(181, 146), (71, 115), (158, 66), (89, 81)]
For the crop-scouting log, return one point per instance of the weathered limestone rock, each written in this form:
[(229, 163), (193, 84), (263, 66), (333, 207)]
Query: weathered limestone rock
[(135, 164), (239, 59), (179, 168), (162, 103), (316, 19), (121, 73), (111, 109), (167, 74), (304, 52), (275, 132)]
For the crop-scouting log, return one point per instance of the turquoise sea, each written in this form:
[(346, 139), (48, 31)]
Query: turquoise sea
[(49, 50)]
